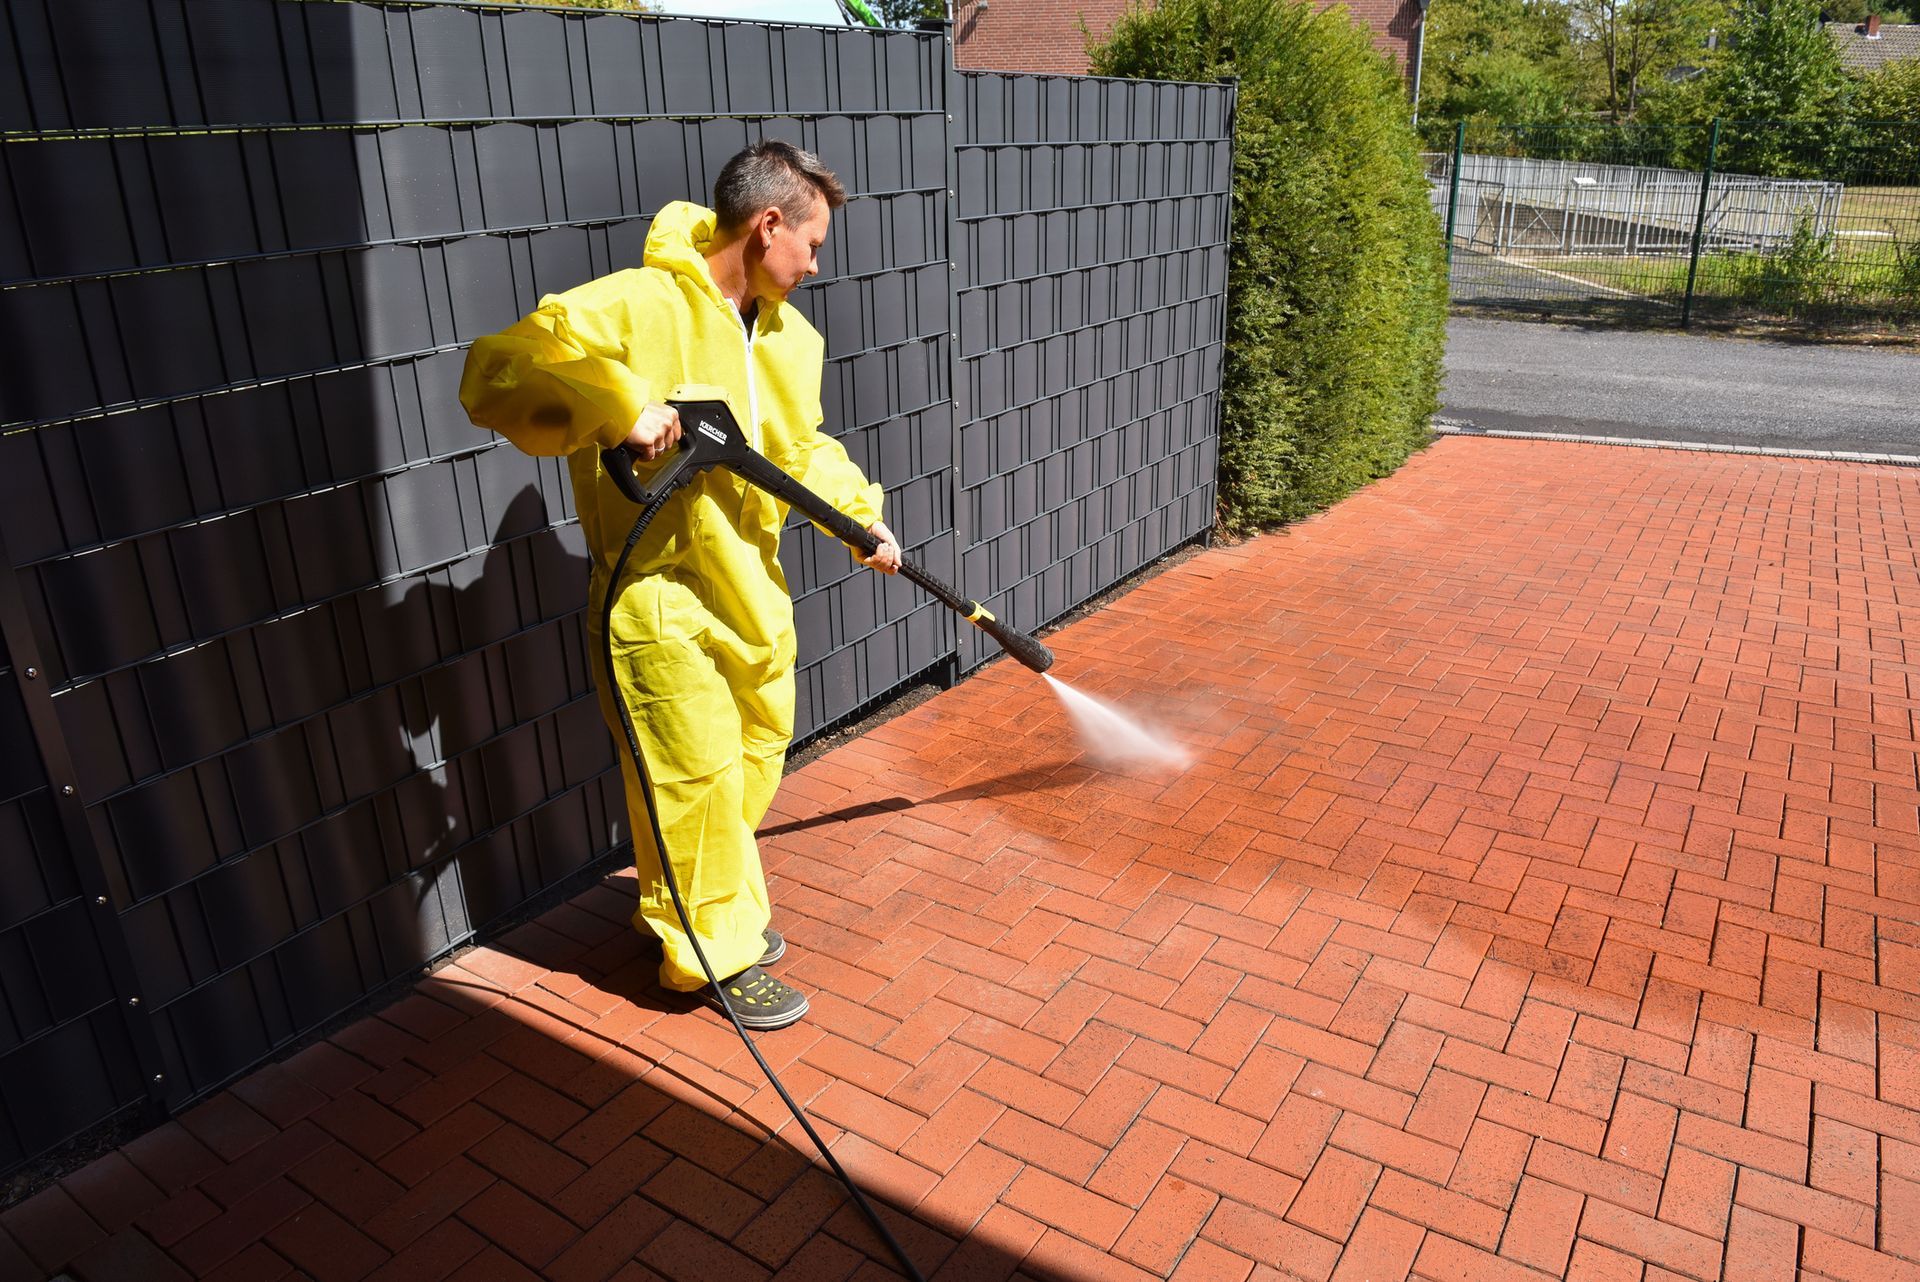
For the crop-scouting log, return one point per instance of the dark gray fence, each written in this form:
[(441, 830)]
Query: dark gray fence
[(1091, 257), (296, 697)]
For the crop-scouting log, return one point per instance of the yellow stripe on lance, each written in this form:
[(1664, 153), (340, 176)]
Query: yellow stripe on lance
[(979, 612)]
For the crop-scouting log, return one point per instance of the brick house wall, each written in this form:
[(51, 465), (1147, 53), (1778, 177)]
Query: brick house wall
[(1045, 36), (1395, 25)]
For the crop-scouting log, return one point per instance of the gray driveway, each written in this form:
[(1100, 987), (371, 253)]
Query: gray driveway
[(1537, 377)]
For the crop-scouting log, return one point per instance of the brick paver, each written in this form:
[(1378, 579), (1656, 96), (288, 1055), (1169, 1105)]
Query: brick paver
[(1543, 900)]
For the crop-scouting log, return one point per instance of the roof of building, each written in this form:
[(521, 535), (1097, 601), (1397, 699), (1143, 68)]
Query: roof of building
[(1896, 42)]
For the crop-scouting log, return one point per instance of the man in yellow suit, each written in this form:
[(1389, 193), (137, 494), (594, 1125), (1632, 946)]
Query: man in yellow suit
[(703, 626)]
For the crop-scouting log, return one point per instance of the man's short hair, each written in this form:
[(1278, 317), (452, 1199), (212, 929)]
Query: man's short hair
[(773, 173)]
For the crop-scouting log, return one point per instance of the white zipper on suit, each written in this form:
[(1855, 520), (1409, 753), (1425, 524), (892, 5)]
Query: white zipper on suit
[(753, 395)]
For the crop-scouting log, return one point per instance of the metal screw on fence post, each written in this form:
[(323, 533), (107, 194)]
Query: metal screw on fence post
[(1453, 185), (1700, 223)]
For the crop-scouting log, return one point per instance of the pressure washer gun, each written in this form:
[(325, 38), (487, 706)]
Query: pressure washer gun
[(709, 438)]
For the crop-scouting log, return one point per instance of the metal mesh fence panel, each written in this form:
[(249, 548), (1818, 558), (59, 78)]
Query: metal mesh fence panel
[(313, 641), (67, 1052), (312, 702), (1771, 223), (1091, 258)]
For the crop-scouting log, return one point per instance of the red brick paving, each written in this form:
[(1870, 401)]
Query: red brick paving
[(1543, 901)]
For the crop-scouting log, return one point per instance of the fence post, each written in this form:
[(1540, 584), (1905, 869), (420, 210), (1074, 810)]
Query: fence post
[(19, 639), (1453, 185), (1700, 223), (953, 92)]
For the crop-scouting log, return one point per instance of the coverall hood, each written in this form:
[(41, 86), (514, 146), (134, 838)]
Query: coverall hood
[(678, 241)]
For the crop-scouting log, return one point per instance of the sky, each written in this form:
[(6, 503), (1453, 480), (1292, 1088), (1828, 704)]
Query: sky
[(758, 10)]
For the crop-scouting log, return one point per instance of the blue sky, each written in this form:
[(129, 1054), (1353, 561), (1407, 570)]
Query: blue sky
[(758, 10)]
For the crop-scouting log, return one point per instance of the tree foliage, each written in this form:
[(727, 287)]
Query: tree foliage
[(1892, 94), (910, 13), (1491, 60), (1856, 11), (1545, 61), (1782, 66), (1628, 45), (1669, 62), (1782, 69), (1336, 282)]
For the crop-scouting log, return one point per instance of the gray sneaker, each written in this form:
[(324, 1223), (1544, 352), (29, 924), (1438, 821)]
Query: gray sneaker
[(776, 947), (762, 1002)]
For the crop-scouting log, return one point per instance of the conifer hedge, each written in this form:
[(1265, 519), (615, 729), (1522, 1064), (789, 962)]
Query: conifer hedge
[(1337, 286)]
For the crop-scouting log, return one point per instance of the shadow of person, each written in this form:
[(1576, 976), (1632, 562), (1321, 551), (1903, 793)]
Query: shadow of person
[(504, 725), (653, 1078)]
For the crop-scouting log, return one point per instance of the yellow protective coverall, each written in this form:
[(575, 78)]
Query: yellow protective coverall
[(703, 625)]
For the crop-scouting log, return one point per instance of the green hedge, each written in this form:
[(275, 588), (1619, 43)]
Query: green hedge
[(1337, 289)]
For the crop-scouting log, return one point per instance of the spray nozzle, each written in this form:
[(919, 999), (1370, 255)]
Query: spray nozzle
[(1015, 642)]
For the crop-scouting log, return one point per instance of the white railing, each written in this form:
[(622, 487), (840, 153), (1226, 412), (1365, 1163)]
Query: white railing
[(1511, 205)]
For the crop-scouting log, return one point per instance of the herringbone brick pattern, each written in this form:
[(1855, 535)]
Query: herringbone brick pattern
[(1543, 901)]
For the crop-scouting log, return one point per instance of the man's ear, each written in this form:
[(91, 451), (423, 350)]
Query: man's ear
[(770, 218)]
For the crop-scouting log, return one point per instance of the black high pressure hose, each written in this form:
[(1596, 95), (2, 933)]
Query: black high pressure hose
[(647, 513), (711, 438)]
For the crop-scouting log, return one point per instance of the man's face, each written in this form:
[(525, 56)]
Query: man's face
[(791, 247)]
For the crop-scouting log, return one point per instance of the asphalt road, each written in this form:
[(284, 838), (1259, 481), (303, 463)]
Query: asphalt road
[(1538, 377)]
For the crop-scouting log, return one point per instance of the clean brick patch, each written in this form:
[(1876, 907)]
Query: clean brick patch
[(1542, 900)]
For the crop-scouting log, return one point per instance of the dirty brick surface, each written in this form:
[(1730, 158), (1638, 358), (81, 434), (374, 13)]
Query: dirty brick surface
[(1543, 900)]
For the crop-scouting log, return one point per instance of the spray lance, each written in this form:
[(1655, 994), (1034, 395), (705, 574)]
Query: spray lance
[(710, 438)]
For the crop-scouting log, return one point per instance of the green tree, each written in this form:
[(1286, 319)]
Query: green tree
[(1336, 276), (1890, 93), (1498, 60), (1782, 68), (1629, 45), (1680, 111), (910, 13), (1856, 11), (1886, 135)]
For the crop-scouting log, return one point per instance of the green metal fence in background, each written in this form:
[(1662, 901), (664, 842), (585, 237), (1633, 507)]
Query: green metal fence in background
[(1764, 223)]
